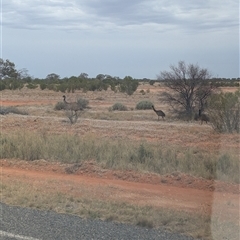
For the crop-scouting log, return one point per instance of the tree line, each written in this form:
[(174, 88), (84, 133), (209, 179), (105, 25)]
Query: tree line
[(190, 89), (12, 79)]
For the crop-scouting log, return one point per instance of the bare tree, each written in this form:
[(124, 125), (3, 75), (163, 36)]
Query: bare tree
[(189, 86)]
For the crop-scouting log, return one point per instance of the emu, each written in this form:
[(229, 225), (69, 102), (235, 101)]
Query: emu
[(160, 113), (203, 117), (73, 106)]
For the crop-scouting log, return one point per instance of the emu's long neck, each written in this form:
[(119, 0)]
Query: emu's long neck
[(64, 99)]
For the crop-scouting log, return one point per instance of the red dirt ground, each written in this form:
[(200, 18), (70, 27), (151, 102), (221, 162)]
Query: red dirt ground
[(175, 191)]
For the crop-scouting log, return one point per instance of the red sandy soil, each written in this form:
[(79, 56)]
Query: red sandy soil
[(176, 191)]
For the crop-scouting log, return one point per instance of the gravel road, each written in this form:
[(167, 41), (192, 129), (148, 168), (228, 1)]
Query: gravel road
[(29, 224)]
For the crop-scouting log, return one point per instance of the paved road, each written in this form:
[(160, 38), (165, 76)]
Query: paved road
[(29, 224)]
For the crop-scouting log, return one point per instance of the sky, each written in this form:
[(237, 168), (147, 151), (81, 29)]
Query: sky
[(137, 38)]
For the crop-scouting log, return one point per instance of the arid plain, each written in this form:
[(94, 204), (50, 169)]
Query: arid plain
[(176, 196)]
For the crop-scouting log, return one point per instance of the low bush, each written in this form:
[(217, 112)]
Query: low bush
[(118, 107), (82, 102), (224, 112), (43, 86), (59, 106), (144, 105)]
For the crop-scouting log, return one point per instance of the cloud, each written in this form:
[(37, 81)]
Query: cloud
[(112, 14), (120, 37), (42, 14)]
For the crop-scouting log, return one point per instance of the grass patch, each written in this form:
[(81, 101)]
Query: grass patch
[(117, 115), (120, 154)]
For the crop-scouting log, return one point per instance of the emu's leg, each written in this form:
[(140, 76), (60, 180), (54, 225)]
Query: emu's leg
[(73, 114), (71, 118), (76, 116)]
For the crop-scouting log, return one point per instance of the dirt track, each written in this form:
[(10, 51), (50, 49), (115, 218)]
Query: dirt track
[(176, 191)]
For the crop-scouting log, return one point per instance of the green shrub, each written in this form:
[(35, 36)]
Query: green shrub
[(52, 87), (2, 86), (59, 106), (144, 105), (151, 82), (31, 86), (43, 86), (62, 87), (224, 112), (14, 84), (82, 102), (118, 107), (128, 85)]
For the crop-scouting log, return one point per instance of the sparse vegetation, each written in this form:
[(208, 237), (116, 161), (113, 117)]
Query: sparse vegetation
[(173, 149)]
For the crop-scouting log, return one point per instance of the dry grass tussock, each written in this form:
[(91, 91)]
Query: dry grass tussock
[(120, 154)]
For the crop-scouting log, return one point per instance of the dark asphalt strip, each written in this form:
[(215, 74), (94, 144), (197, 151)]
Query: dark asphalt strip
[(30, 224)]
